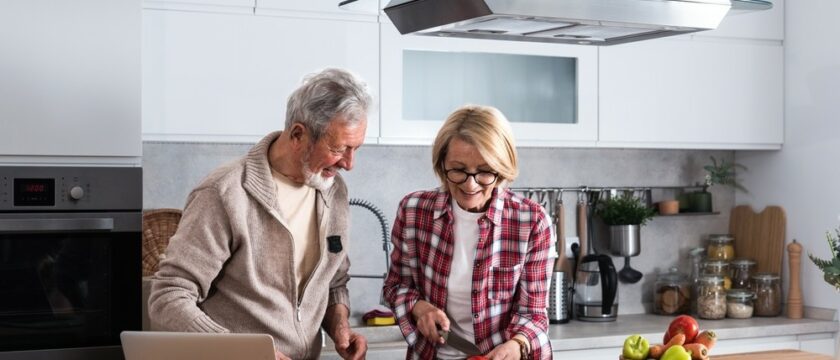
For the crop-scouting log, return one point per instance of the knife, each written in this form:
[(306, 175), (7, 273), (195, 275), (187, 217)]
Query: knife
[(459, 343)]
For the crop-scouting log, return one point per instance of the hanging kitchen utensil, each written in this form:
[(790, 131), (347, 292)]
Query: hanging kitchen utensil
[(582, 228), (562, 263), (627, 274)]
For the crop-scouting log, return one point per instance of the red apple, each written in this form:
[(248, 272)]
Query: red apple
[(682, 324)]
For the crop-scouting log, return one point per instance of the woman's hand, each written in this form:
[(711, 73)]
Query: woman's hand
[(280, 356), (509, 350), (429, 318)]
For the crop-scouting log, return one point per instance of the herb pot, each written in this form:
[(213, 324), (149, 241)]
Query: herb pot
[(701, 201), (624, 240)]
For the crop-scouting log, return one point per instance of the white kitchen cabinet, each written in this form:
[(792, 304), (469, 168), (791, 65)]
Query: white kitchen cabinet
[(70, 86), (218, 6), (363, 10), (763, 25), (684, 93), (224, 77), (425, 78)]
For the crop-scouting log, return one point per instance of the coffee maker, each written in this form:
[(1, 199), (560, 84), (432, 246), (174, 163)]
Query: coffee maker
[(596, 289)]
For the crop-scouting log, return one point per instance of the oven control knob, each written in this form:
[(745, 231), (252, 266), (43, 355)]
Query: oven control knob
[(76, 193)]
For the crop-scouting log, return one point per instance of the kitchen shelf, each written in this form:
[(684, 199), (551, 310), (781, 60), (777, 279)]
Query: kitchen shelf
[(689, 214)]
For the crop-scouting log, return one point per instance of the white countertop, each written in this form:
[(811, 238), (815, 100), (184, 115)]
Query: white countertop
[(579, 335)]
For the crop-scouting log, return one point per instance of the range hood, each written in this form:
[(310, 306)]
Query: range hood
[(586, 22)]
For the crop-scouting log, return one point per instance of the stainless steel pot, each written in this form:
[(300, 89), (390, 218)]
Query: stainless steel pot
[(624, 240)]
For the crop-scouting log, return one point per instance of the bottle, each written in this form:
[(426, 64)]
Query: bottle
[(720, 268), (711, 297), (696, 256), (671, 293), (739, 303), (742, 271), (768, 294), (721, 247)]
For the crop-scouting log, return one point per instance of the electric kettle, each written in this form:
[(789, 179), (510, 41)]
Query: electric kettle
[(596, 289)]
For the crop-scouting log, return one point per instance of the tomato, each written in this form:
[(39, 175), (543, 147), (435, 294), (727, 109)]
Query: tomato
[(685, 325)]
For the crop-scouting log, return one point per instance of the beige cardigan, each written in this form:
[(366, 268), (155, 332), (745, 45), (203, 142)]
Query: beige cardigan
[(229, 267)]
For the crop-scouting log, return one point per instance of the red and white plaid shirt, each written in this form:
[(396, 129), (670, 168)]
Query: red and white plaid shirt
[(509, 275)]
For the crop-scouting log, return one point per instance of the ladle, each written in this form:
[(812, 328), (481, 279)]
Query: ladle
[(627, 274)]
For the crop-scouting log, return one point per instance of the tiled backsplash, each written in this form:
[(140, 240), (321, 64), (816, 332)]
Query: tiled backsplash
[(384, 174)]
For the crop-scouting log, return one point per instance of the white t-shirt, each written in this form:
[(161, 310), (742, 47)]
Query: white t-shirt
[(459, 286), (297, 207)]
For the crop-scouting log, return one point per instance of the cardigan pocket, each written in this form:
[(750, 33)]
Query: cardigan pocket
[(503, 282)]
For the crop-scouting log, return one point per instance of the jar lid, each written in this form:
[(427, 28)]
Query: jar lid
[(766, 276), (741, 294), (716, 263), (672, 276), (711, 279), (721, 238), (697, 252), (742, 262)]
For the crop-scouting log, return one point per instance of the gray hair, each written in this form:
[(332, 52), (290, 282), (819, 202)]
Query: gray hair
[(323, 95)]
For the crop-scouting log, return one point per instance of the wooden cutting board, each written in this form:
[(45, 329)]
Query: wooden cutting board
[(774, 355), (759, 236)]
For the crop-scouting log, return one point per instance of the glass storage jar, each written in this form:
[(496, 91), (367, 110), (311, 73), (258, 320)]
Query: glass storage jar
[(672, 293), (711, 297), (768, 294), (696, 256), (718, 267), (739, 303), (742, 271), (721, 247)]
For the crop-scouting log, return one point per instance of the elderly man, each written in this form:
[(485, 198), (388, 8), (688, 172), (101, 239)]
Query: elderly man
[(261, 246)]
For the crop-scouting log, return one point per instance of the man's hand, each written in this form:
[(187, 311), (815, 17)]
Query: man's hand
[(428, 317), (349, 344), (509, 350), (279, 356)]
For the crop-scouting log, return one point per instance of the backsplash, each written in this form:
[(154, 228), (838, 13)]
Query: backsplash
[(384, 174)]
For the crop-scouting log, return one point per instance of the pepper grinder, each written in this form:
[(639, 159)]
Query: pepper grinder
[(794, 301)]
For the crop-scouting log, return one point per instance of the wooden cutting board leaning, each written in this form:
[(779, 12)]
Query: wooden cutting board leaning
[(759, 236)]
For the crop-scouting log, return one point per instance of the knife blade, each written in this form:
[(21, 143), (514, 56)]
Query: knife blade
[(458, 343)]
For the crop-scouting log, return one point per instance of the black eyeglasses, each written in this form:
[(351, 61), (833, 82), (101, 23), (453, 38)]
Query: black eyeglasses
[(483, 178)]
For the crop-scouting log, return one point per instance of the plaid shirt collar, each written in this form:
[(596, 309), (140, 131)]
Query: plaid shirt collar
[(494, 212)]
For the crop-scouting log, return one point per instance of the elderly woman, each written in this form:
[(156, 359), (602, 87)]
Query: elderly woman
[(470, 258)]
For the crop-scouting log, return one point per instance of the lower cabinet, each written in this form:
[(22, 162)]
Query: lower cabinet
[(692, 93)]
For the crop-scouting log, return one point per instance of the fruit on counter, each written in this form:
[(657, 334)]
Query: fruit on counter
[(683, 324), (707, 338), (635, 348), (677, 352), (657, 351), (698, 351)]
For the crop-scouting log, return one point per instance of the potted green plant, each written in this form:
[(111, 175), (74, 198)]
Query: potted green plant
[(625, 215), (830, 268), (717, 173)]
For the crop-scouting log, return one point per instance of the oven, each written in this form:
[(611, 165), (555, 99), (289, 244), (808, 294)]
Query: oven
[(70, 262)]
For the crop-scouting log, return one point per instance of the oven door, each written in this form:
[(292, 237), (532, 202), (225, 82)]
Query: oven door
[(68, 281)]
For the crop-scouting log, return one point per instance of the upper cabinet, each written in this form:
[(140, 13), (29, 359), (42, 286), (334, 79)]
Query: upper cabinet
[(692, 94), (548, 91), (70, 82), (227, 77)]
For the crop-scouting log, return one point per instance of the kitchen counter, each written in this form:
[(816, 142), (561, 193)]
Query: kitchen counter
[(775, 355), (585, 339)]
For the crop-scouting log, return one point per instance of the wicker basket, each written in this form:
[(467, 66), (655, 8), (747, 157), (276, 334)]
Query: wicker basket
[(158, 226)]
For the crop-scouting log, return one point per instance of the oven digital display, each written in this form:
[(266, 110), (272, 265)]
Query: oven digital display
[(34, 192)]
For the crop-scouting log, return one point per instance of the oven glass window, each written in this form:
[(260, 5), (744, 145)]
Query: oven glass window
[(67, 290)]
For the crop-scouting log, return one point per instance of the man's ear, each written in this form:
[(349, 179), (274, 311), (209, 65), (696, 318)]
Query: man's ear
[(297, 133)]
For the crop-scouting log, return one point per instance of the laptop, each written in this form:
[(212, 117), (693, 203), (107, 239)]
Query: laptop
[(154, 345)]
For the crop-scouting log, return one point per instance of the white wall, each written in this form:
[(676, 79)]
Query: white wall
[(804, 177)]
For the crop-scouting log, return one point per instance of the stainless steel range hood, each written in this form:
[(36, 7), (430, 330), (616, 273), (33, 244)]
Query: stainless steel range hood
[(587, 22)]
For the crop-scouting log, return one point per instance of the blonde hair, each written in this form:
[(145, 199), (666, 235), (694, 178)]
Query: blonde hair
[(486, 128)]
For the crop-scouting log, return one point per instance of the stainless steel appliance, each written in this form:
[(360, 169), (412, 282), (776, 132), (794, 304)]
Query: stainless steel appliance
[(70, 262), (586, 22), (596, 289)]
